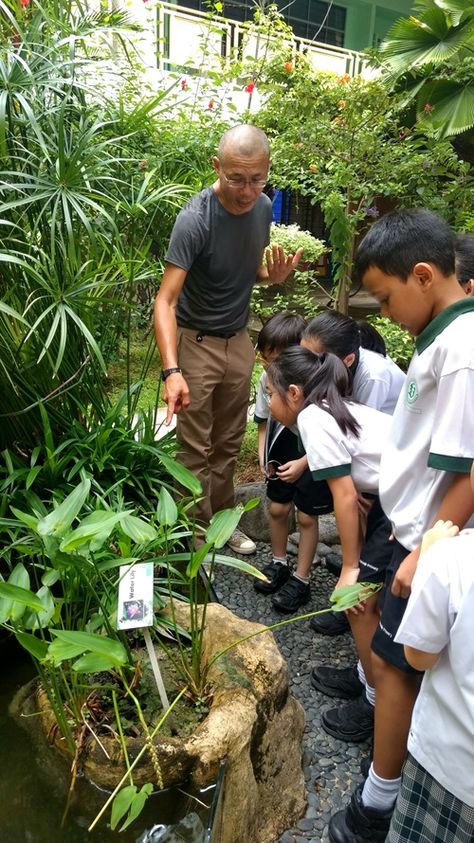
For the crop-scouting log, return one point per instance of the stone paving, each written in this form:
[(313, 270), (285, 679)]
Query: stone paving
[(331, 767)]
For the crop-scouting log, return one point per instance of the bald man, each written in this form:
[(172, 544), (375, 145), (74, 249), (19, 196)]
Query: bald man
[(213, 260)]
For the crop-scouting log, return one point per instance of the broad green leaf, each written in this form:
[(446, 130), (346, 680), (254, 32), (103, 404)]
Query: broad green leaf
[(71, 643), (197, 559), (251, 504), (181, 474), (121, 804), (94, 529), (26, 518), (35, 646), (50, 577), (20, 595), (39, 620), (239, 565), (350, 595), (166, 511), (137, 529), (222, 525), (60, 519), (93, 663), (20, 577), (137, 805)]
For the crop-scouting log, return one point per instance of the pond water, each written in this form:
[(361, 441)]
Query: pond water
[(33, 788)]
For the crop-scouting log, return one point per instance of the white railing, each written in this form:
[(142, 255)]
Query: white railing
[(175, 38), (182, 32)]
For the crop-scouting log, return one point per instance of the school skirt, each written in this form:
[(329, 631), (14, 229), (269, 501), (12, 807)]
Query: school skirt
[(426, 812)]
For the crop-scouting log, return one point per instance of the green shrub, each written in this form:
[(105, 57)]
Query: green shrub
[(400, 345)]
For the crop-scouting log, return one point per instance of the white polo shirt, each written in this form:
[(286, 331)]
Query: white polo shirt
[(433, 425), (332, 453), (377, 382), (439, 618)]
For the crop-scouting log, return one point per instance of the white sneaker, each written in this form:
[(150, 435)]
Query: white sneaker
[(240, 543)]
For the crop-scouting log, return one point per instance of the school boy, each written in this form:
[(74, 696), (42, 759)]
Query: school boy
[(288, 480), (406, 261), (436, 799)]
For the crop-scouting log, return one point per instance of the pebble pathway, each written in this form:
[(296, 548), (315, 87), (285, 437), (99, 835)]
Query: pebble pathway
[(331, 767)]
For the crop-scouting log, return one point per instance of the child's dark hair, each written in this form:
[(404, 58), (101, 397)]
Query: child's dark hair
[(280, 331), (371, 339), (464, 254), (323, 378), (337, 333), (401, 239)]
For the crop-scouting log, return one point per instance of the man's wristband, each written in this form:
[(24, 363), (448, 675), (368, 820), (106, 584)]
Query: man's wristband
[(167, 372)]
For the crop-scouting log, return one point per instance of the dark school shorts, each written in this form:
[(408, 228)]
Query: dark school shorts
[(313, 497), (376, 552), (392, 611)]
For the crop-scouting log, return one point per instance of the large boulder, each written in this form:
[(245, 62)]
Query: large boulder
[(255, 522)]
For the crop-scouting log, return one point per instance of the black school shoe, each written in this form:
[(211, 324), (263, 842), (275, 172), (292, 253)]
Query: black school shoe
[(353, 722), (292, 596), (278, 575), (358, 824), (341, 682), (331, 623)]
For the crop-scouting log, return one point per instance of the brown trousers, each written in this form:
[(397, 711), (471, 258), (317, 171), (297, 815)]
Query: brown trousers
[(210, 432)]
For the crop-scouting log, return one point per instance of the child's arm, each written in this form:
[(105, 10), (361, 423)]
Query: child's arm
[(262, 430), (346, 510), (291, 471), (457, 506)]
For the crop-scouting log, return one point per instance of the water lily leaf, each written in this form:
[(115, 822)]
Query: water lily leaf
[(39, 620), (93, 663), (94, 529), (222, 525), (71, 643), (197, 559), (182, 475), (137, 529), (350, 595), (35, 646), (166, 511), (61, 518), (240, 565), (138, 804), (251, 504), (15, 594), (121, 804)]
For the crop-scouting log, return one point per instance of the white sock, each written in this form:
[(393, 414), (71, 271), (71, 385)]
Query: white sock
[(370, 694), (302, 579), (360, 671), (280, 560), (380, 794)]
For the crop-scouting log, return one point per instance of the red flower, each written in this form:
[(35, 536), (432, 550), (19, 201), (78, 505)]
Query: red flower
[(250, 87), (428, 107), (288, 66), (184, 85), (143, 165), (344, 79), (25, 2), (211, 104)]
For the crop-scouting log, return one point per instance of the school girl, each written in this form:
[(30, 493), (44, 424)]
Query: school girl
[(343, 441)]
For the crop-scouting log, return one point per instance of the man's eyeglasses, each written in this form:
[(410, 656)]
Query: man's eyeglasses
[(239, 184)]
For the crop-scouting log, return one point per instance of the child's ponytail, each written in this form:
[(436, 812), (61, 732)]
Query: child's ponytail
[(323, 378)]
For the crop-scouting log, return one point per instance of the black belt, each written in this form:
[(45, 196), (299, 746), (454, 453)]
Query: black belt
[(200, 334)]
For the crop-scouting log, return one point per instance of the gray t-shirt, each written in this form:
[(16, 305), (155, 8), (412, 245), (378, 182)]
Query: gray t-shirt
[(221, 253)]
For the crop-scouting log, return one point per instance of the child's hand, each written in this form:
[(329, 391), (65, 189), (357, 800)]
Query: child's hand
[(401, 585), (291, 471), (441, 530), (350, 577)]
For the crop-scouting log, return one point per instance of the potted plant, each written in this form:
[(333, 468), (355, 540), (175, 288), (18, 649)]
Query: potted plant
[(60, 601)]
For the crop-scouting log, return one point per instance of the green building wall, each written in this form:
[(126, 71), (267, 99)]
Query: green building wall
[(368, 21)]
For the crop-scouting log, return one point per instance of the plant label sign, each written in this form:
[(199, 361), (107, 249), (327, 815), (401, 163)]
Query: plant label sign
[(135, 597)]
